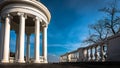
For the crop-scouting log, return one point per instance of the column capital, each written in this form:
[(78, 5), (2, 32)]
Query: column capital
[(37, 18), (22, 14), (7, 15), (45, 25)]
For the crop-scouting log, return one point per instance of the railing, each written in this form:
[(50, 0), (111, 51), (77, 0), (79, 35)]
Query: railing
[(99, 52)]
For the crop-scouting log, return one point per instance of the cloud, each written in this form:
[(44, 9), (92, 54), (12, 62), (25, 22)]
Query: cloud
[(60, 49)]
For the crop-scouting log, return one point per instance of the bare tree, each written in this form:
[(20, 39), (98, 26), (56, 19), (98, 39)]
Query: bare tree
[(112, 21), (99, 32), (106, 27)]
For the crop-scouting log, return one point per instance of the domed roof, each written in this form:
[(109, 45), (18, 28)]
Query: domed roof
[(38, 5)]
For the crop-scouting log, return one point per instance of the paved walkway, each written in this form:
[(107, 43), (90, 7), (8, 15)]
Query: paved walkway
[(65, 65)]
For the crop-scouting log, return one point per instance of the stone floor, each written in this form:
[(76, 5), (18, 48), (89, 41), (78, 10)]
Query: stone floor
[(65, 65)]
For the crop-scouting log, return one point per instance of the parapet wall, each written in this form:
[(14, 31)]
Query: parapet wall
[(114, 49)]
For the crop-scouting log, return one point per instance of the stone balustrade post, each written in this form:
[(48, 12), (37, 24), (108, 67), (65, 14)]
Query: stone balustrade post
[(84, 55), (87, 54)]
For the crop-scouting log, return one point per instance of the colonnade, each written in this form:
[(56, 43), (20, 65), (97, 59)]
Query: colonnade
[(20, 39)]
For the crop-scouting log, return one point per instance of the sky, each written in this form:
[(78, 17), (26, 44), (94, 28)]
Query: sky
[(69, 23), (68, 26)]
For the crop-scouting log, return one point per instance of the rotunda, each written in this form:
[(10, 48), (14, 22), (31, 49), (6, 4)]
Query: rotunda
[(24, 17)]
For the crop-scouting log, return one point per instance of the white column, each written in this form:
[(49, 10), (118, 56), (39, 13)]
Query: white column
[(28, 48), (44, 38), (37, 37), (69, 58), (5, 55), (21, 38), (1, 39), (84, 55), (17, 46)]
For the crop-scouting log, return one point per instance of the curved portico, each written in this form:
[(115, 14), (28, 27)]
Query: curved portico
[(24, 17)]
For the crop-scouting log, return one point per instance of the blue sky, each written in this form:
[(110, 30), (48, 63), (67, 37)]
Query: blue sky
[(68, 25)]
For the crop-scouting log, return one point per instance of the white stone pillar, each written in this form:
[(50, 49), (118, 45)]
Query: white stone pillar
[(88, 54), (21, 38), (69, 58), (17, 46), (44, 38), (37, 37), (84, 54), (5, 55), (1, 39), (28, 48)]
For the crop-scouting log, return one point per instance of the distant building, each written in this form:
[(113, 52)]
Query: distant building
[(107, 50)]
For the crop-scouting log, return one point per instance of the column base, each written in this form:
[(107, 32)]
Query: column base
[(36, 61), (4, 61), (20, 61)]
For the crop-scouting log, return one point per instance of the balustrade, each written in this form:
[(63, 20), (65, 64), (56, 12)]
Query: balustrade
[(91, 53)]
